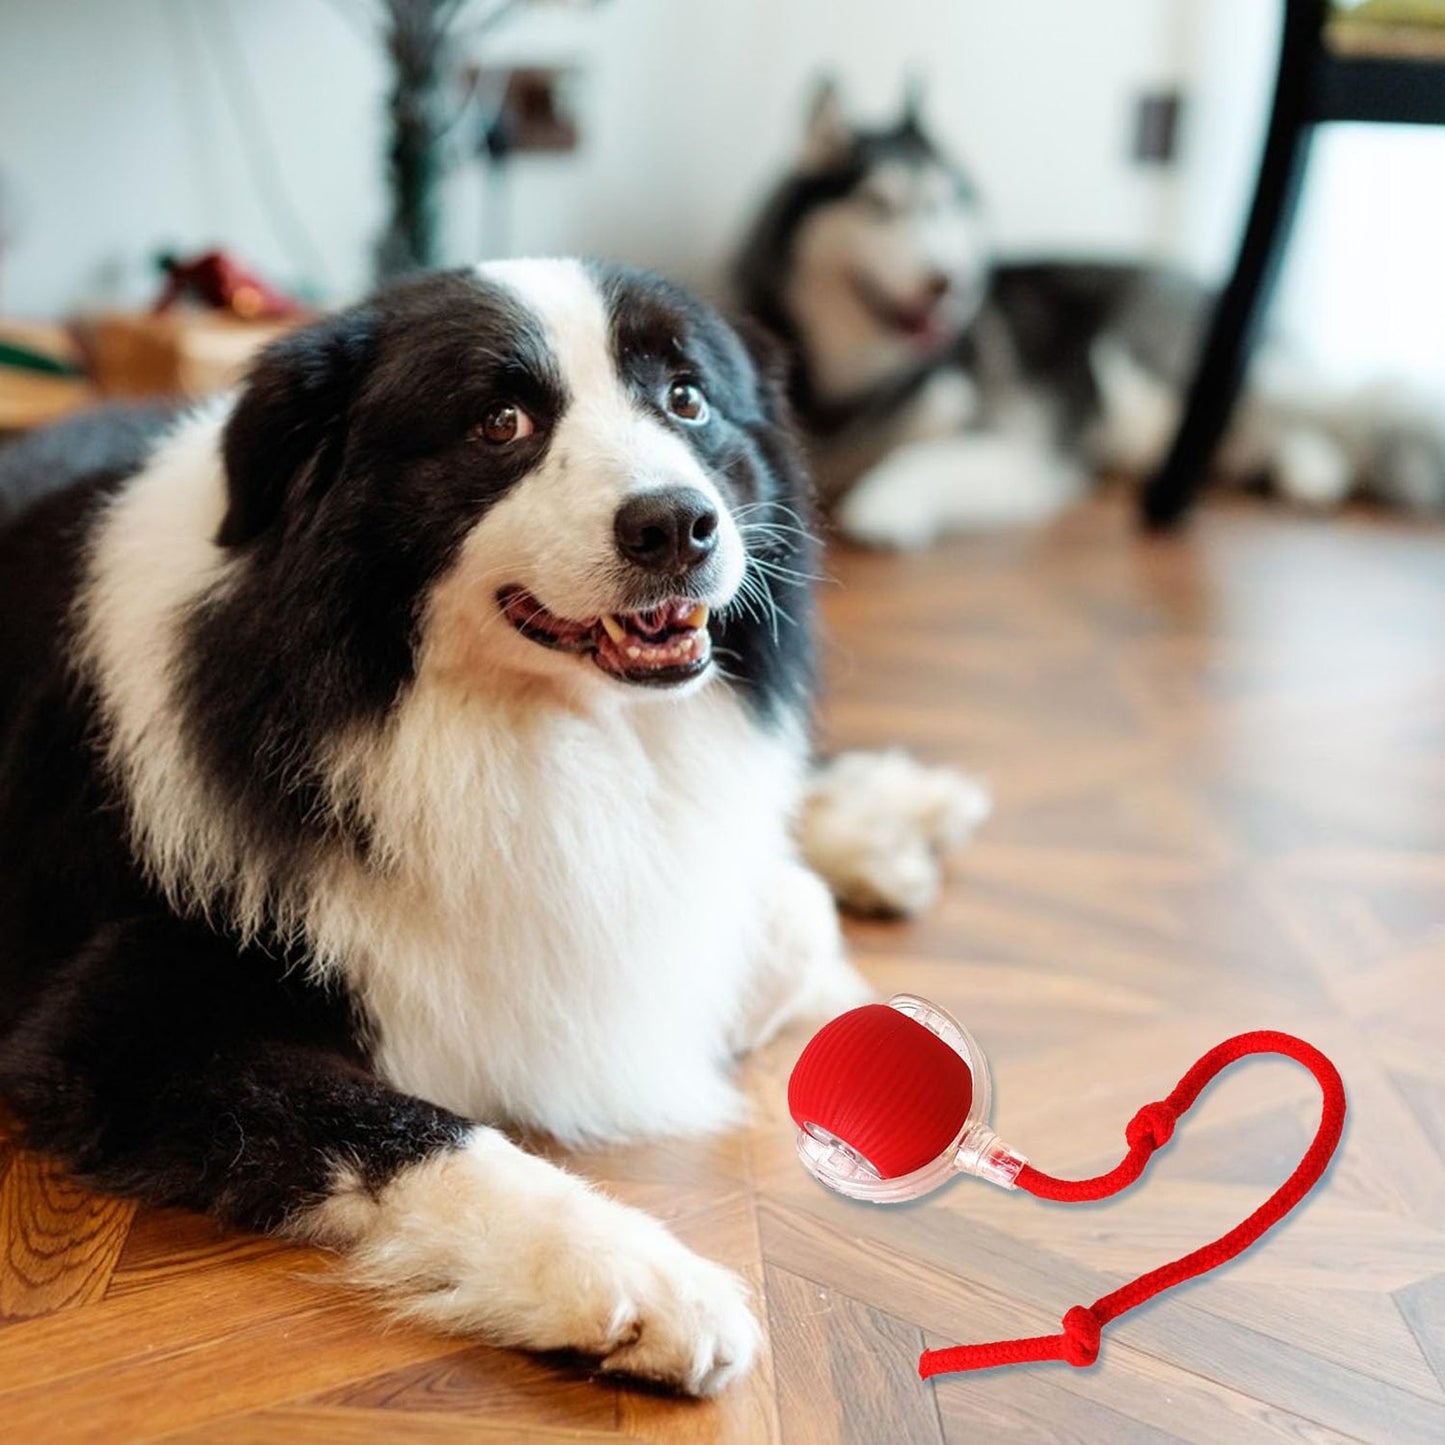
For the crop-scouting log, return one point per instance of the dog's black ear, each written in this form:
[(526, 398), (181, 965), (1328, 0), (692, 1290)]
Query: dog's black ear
[(778, 436), (772, 362), (828, 135), (289, 425)]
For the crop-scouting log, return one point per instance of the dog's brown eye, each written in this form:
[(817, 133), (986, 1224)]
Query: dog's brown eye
[(504, 424), (686, 401)]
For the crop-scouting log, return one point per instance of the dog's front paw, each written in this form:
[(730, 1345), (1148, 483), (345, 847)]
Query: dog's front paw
[(680, 1320), (616, 1284), (875, 824), (487, 1240), (610, 1281)]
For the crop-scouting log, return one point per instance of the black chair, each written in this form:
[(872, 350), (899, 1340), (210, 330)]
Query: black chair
[(1336, 71)]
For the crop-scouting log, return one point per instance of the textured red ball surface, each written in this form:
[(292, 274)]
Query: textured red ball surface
[(885, 1085)]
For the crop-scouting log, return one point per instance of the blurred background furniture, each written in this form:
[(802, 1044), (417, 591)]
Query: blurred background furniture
[(180, 353), (1382, 61), (48, 371), (41, 377), (212, 317)]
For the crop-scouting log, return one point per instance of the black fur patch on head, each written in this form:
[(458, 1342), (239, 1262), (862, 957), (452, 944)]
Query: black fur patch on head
[(354, 472), (286, 435), (662, 333)]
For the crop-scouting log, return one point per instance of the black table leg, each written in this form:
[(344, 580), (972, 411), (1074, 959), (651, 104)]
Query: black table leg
[(1225, 354)]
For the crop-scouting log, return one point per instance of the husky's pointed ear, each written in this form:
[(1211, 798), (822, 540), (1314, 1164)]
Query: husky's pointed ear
[(827, 136), (914, 94), (289, 427)]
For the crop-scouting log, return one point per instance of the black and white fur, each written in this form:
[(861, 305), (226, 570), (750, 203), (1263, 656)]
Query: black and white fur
[(316, 863), (943, 390)]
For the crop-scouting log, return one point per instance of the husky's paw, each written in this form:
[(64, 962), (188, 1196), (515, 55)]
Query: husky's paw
[(874, 825), (975, 482), (1311, 469), (888, 510)]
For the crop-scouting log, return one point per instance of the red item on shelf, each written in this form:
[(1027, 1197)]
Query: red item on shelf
[(218, 281)]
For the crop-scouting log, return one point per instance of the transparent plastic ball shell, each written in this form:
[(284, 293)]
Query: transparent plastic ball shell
[(975, 1150)]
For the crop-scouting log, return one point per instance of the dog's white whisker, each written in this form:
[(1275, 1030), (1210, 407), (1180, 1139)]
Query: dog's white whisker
[(781, 572)]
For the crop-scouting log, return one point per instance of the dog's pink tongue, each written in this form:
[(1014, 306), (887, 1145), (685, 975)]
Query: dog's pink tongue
[(925, 329), (654, 625)]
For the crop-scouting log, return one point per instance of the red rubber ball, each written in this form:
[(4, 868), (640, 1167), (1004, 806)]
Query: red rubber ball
[(885, 1085)]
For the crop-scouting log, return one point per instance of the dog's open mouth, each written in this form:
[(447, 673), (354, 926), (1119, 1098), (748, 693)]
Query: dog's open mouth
[(925, 322), (665, 645)]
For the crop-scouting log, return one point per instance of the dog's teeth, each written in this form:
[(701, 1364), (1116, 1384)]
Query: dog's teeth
[(634, 652), (613, 628), (698, 616)]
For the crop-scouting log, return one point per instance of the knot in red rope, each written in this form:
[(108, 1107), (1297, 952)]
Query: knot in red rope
[(1082, 1332), (1152, 1125)]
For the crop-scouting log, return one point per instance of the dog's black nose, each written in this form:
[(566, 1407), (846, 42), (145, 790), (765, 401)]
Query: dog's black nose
[(670, 530)]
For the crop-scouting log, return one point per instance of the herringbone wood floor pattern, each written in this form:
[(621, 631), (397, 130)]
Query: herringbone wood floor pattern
[(1220, 772)]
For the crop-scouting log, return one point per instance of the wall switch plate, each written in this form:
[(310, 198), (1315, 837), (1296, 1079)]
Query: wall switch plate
[(1156, 128)]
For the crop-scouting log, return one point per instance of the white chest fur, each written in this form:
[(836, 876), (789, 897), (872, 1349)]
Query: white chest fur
[(558, 922), (563, 932)]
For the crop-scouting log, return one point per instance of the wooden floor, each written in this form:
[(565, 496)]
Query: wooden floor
[(1219, 764)]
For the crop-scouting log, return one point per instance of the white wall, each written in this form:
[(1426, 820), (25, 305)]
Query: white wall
[(115, 141), (118, 137), (697, 106), (1230, 51)]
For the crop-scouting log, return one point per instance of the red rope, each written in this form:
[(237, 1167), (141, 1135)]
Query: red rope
[(1149, 1130)]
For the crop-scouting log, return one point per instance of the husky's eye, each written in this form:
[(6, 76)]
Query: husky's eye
[(687, 402), (504, 424)]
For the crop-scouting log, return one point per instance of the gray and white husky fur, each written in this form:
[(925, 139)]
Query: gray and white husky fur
[(945, 391)]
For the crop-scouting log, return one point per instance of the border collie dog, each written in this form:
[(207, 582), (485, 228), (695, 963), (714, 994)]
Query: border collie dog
[(942, 390), (407, 745)]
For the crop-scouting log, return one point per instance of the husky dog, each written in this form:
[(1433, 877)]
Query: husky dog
[(942, 390)]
